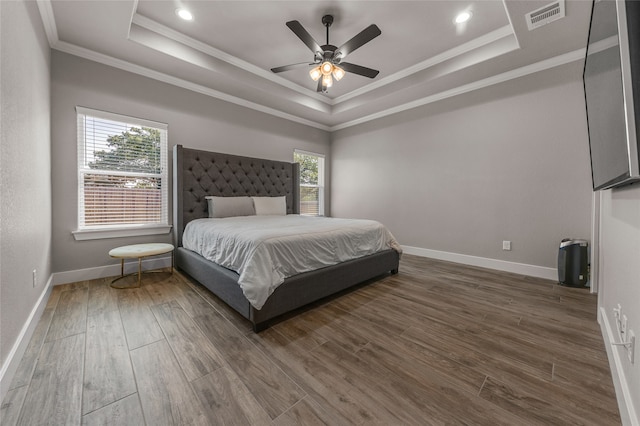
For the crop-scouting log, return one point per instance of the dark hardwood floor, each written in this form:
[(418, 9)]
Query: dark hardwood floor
[(439, 343)]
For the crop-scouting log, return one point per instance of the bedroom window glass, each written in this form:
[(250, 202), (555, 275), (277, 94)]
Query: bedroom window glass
[(311, 182), (122, 173)]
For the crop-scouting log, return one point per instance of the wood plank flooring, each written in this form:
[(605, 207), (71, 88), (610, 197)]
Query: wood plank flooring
[(439, 343)]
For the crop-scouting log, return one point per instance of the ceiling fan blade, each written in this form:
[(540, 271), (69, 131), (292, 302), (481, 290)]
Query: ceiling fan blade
[(363, 37), (290, 67), (303, 35), (320, 88), (358, 69)]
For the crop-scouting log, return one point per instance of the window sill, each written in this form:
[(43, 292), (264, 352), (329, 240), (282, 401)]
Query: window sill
[(132, 231)]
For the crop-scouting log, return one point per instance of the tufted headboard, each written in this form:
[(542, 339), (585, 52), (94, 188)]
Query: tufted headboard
[(197, 174)]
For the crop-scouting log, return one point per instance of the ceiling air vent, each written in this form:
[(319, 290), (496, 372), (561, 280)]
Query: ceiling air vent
[(544, 15)]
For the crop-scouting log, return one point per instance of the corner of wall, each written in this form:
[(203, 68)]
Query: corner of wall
[(10, 366)]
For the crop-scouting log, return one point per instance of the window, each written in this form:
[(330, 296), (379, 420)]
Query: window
[(311, 182), (122, 176)]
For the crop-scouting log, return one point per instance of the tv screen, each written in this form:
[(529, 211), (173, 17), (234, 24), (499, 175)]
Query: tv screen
[(612, 88)]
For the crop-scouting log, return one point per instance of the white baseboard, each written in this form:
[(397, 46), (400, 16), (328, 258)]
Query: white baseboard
[(109, 270), (483, 262), (623, 393), (10, 366)]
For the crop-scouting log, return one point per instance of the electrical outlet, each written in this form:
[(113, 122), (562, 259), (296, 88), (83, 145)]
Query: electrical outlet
[(623, 328), (617, 311), (35, 278), (506, 245), (632, 346)]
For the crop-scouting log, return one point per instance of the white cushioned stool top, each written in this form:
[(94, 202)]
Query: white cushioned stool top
[(140, 250)]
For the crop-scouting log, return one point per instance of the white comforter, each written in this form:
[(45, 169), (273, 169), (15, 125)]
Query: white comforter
[(264, 250)]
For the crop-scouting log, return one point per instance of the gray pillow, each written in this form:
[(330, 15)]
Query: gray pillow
[(230, 206), (270, 205)]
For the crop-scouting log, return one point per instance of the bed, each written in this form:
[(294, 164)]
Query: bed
[(199, 174)]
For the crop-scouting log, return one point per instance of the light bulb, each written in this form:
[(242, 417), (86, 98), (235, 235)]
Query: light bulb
[(327, 81), (184, 14), (326, 68), (463, 17), (338, 73), (315, 73)]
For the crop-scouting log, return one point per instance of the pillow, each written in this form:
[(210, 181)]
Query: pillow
[(270, 205), (230, 206)]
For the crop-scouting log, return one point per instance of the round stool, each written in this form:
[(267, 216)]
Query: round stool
[(138, 251)]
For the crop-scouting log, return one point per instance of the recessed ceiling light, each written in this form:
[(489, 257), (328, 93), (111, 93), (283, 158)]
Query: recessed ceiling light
[(184, 14), (463, 17)]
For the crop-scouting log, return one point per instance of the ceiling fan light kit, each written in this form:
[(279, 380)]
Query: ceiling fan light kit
[(338, 73), (327, 81), (326, 68), (327, 59), (315, 73)]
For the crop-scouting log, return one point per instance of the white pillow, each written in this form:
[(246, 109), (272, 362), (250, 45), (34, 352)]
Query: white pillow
[(230, 206), (270, 205)]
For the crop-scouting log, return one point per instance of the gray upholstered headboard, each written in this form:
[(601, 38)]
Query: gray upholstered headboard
[(197, 174)]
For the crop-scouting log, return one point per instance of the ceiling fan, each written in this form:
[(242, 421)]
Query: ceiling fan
[(327, 59)]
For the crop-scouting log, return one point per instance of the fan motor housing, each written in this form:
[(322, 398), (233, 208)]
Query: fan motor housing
[(328, 52)]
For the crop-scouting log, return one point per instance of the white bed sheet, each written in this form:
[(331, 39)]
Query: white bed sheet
[(264, 250)]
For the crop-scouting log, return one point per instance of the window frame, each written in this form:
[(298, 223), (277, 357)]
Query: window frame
[(121, 230), (321, 178)]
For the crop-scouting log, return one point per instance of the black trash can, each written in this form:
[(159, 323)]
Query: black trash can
[(573, 263)]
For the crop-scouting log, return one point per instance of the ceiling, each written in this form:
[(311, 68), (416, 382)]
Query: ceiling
[(228, 49)]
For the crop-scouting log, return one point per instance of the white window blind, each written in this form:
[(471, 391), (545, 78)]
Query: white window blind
[(311, 182), (122, 171)]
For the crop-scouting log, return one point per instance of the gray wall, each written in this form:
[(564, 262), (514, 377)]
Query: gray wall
[(508, 162), (195, 121), (620, 275), (25, 172)]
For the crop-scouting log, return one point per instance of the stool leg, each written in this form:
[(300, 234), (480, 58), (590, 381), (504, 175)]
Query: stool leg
[(122, 267), (172, 262), (139, 271)]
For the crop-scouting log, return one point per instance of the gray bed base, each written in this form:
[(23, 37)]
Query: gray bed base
[(197, 174), (296, 292)]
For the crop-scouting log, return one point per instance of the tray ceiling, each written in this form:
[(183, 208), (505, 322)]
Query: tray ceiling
[(227, 51)]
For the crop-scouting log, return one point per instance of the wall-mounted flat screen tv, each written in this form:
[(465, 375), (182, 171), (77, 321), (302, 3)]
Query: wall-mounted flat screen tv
[(612, 92)]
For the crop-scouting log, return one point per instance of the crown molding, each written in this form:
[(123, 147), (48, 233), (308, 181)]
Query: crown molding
[(479, 84), (207, 49), (493, 36), (513, 29), (165, 78), (134, 8), (503, 77), (156, 27), (48, 21)]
